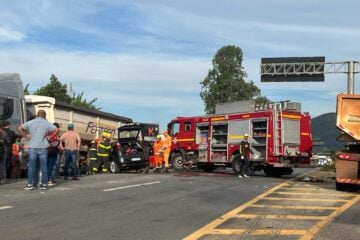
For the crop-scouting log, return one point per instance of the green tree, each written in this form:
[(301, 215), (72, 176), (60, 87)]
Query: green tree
[(59, 91), (79, 101), (225, 82), (54, 89)]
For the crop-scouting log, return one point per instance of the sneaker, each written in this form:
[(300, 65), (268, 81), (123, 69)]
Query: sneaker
[(51, 183), (75, 178), (240, 176), (246, 176), (29, 187), (43, 187)]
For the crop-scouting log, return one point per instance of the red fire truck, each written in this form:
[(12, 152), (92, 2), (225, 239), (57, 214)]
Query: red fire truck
[(280, 138)]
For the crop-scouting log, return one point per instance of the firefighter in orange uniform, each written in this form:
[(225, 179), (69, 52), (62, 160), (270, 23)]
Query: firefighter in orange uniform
[(166, 147), (158, 153)]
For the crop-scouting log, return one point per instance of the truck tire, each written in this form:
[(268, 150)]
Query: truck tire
[(236, 164), (177, 161), (340, 186)]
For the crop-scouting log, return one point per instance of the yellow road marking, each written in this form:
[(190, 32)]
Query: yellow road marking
[(276, 216), (316, 193), (305, 199), (309, 187), (293, 207), (311, 232), (255, 232), (209, 227)]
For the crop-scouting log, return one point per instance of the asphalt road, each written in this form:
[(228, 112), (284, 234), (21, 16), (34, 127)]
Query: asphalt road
[(126, 206)]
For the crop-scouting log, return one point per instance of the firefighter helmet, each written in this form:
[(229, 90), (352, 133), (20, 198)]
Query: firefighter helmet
[(106, 135)]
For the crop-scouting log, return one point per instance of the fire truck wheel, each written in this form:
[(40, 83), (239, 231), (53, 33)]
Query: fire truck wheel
[(236, 164), (177, 161)]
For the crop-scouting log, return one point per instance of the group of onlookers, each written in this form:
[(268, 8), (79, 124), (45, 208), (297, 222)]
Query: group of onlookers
[(44, 145), (39, 142)]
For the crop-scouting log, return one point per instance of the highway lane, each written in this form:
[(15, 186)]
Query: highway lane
[(175, 206), (125, 206)]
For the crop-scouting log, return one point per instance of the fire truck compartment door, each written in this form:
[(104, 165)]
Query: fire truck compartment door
[(237, 129), (291, 131)]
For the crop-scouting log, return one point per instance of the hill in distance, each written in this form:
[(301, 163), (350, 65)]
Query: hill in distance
[(324, 129)]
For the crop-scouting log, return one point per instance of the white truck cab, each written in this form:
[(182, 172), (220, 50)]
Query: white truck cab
[(12, 101)]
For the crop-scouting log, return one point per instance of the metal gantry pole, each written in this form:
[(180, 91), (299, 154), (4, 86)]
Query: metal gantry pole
[(351, 73)]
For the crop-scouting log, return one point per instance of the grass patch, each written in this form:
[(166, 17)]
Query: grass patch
[(328, 167)]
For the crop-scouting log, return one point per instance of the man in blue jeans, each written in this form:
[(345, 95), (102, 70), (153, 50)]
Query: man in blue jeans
[(36, 131), (70, 141)]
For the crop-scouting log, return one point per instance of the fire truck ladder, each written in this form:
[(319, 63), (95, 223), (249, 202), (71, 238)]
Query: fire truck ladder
[(278, 129)]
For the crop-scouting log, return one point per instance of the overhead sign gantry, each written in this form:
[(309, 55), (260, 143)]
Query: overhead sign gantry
[(305, 69)]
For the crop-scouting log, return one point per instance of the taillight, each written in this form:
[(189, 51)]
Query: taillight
[(347, 156)]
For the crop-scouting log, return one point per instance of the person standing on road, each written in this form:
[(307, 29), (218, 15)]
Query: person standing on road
[(3, 141), (70, 141), (158, 153), (92, 156), (166, 148), (36, 132), (53, 152), (12, 137), (244, 155), (103, 153)]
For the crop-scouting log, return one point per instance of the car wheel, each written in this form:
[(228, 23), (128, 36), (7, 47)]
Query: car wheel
[(114, 168)]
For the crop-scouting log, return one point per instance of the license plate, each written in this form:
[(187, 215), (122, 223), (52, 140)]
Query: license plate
[(135, 159)]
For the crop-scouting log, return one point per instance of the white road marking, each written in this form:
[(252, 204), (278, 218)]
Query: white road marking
[(62, 188), (6, 207), (130, 186)]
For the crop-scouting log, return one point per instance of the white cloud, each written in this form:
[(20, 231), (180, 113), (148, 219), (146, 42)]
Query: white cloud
[(159, 51), (9, 35), (132, 79)]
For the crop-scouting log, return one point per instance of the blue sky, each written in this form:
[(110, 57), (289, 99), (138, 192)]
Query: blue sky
[(144, 59)]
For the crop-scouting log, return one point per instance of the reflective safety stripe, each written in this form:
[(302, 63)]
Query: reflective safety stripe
[(104, 170), (92, 159), (95, 169), (103, 154), (104, 146), (93, 149)]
